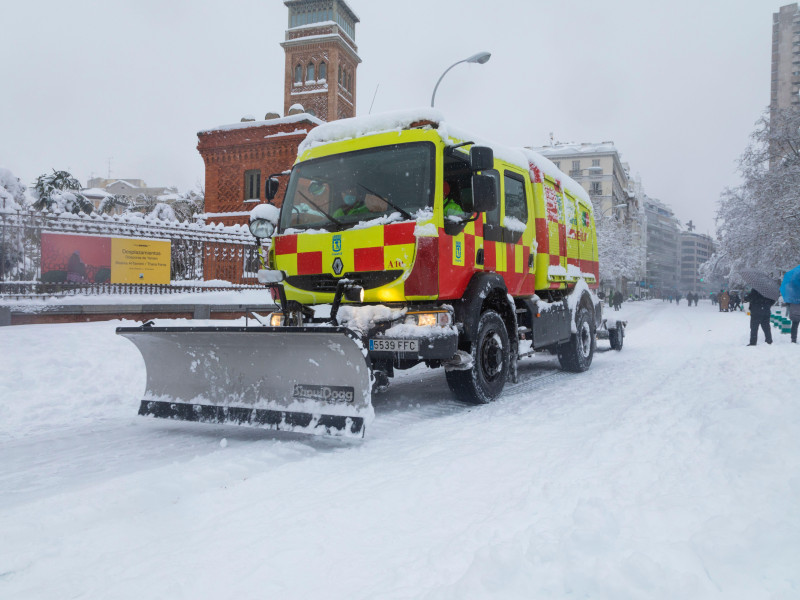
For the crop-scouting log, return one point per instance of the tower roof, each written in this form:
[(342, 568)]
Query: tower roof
[(350, 12)]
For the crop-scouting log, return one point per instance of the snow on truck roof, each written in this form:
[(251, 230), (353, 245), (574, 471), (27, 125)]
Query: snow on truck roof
[(347, 129)]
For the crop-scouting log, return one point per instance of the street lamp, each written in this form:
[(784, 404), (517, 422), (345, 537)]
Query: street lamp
[(480, 58)]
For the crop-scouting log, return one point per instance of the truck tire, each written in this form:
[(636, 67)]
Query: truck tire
[(484, 382), (576, 355), (616, 337)]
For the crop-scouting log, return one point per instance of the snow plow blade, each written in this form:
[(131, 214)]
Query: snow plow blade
[(305, 379)]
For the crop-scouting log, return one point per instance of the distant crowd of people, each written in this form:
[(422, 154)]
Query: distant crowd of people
[(691, 298), (729, 301)]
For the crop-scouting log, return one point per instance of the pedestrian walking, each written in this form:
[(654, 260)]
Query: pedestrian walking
[(736, 302), (678, 298), (760, 308), (617, 300), (793, 312), (724, 300)]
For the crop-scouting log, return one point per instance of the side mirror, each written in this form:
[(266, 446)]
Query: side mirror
[(271, 188), (484, 193), (481, 158)]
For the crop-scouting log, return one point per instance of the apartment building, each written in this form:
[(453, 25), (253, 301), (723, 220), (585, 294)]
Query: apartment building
[(785, 91)]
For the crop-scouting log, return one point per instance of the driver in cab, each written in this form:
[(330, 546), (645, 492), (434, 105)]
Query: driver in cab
[(352, 204)]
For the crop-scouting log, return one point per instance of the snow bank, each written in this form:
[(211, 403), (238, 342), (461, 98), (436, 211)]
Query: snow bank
[(655, 474)]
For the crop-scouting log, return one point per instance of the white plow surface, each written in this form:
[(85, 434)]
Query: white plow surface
[(668, 470)]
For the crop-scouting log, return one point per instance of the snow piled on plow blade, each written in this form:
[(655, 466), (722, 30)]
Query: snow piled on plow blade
[(304, 379)]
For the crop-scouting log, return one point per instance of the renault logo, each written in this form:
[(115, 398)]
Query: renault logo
[(337, 265)]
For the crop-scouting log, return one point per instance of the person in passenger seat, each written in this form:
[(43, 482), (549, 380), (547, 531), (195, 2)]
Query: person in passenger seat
[(452, 206)]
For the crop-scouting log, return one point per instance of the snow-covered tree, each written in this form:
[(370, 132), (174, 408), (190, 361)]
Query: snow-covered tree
[(12, 191), (17, 244), (163, 212), (189, 204), (618, 253), (60, 192), (110, 204), (143, 204), (758, 222)]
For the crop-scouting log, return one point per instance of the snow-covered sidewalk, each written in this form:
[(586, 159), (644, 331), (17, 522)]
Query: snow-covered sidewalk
[(669, 470)]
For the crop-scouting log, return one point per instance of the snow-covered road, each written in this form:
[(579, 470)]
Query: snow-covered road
[(669, 470)]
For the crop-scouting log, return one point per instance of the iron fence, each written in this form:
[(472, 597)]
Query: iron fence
[(198, 252)]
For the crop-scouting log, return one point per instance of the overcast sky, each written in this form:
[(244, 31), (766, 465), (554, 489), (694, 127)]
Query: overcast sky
[(125, 85)]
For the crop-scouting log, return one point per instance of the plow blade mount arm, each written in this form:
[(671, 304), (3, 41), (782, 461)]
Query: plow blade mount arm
[(305, 379)]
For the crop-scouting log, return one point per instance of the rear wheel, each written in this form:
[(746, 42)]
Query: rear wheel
[(490, 363), (616, 337), (576, 355)]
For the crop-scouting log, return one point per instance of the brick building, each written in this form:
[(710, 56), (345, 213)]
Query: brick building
[(319, 85), (240, 157)]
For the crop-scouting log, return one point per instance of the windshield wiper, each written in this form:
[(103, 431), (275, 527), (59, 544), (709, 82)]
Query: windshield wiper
[(319, 208), (392, 204)]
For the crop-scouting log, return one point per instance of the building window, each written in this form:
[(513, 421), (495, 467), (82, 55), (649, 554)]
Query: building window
[(323, 71), (252, 184), (596, 188), (340, 74), (595, 162), (310, 74), (298, 74), (576, 165)]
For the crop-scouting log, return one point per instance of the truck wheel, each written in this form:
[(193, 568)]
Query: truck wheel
[(616, 336), (490, 363), (576, 355)]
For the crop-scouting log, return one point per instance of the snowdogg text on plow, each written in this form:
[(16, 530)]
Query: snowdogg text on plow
[(400, 240)]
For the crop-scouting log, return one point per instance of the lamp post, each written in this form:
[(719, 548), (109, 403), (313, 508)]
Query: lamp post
[(480, 58)]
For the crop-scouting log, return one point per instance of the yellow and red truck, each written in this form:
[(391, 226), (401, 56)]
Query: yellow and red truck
[(400, 240)]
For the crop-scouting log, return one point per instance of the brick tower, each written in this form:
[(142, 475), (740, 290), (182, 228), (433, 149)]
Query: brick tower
[(321, 58)]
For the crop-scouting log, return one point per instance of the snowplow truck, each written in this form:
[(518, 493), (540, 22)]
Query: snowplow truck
[(400, 240)]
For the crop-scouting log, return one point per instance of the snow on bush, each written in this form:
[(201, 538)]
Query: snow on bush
[(13, 195)]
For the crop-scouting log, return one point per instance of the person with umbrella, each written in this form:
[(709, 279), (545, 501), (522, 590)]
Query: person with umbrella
[(762, 296), (790, 290)]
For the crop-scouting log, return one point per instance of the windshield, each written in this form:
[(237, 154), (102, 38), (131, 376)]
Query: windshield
[(337, 192)]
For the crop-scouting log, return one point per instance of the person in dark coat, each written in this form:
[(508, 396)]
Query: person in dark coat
[(617, 300), (760, 309), (736, 302)]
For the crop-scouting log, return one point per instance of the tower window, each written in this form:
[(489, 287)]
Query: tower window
[(298, 74), (323, 70), (310, 75)]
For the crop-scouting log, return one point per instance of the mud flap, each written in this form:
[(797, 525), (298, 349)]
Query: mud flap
[(305, 379)]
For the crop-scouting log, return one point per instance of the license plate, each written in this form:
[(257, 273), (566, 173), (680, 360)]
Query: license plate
[(393, 345)]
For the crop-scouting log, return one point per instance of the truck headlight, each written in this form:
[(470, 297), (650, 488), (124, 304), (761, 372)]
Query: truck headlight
[(429, 318), (276, 319), (261, 228)]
